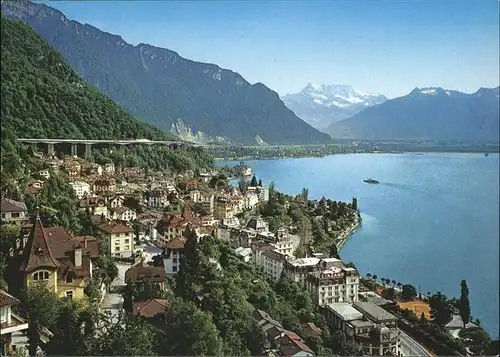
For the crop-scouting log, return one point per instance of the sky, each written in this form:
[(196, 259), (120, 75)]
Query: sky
[(382, 46)]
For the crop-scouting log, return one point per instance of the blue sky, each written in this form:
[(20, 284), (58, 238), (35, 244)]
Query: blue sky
[(381, 46)]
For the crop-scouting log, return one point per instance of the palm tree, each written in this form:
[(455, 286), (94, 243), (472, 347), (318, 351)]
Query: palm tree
[(374, 277), (394, 283), (368, 276)]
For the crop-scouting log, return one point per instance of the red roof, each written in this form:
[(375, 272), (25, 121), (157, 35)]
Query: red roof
[(37, 252), (115, 227), (176, 243), (150, 308)]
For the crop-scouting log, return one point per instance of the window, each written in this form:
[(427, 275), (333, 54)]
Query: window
[(69, 294), (127, 247), (41, 275), (15, 215), (127, 241), (3, 215), (117, 248), (174, 260), (174, 269), (69, 277)]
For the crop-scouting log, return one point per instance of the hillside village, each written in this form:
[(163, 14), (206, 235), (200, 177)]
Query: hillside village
[(143, 221)]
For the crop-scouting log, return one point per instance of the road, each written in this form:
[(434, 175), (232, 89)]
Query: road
[(410, 347)]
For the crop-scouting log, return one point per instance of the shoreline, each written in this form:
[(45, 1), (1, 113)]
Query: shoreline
[(255, 158), (347, 234)]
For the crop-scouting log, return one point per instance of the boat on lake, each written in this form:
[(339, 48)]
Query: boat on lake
[(371, 181), (486, 154)]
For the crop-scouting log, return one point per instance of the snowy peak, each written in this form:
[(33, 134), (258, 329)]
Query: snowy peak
[(323, 104)]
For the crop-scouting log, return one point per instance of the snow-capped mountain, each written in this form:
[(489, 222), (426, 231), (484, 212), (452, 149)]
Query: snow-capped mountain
[(427, 114), (325, 104)]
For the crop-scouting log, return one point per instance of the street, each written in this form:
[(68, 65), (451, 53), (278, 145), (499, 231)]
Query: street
[(410, 347)]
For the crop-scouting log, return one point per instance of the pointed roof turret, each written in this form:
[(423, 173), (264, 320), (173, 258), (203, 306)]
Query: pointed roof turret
[(37, 252)]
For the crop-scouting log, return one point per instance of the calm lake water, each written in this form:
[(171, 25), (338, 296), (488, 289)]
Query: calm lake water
[(432, 221)]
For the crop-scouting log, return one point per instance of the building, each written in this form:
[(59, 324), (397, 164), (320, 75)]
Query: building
[(207, 199), (173, 253), (13, 211), (120, 237), (44, 173), (52, 255), (152, 310), (263, 193), (95, 205), (335, 284), (245, 254), (224, 208), (81, 188), (175, 225), (282, 240), (272, 263), (123, 214), (373, 328), (291, 347), (116, 201), (109, 168), (10, 323), (298, 269), (158, 198), (105, 184), (144, 273)]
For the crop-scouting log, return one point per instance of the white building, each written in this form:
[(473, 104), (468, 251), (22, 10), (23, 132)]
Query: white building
[(333, 285), (123, 214), (245, 254), (173, 253), (298, 269), (120, 238), (263, 194), (272, 263), (10, 323), (81, 188)]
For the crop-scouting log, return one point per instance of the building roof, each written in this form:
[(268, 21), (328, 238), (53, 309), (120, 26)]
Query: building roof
[(456, 323), (150, 308), (8, 205), (304, 262), (345, 311), (290, 347), (122, 209), (144, 272), (275, 255), (243, 252), (37, 252), (7, 299), (115, 227), (311, 329), (54, 247), (374, 312), (256, 223), (176, 243)]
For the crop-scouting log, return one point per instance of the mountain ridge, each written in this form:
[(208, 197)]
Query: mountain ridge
[(427, 113), (159, 86), (322, 105)]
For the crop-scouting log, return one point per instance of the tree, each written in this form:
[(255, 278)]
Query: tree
[(464, 303), (41, 307), (477, 340), (253, 182), (355, 203), (334, 253), (408, 292), (260, 183), (340, 345), (441, 309), (189, 331), (305, 194), (374, 277), (389, 294), (242, 185)]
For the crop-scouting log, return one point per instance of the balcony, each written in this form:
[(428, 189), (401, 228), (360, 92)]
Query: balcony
[(16, 324)]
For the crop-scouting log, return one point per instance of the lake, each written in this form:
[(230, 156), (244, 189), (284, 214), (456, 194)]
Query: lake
[(432, 221)]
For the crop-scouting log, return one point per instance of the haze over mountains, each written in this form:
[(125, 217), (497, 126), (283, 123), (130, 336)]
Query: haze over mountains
[(432, 114), (325, 104), (195, 100)]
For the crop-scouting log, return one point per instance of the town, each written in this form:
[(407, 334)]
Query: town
[(147, 239)]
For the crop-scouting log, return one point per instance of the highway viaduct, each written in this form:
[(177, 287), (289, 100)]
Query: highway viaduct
[(88, 143)]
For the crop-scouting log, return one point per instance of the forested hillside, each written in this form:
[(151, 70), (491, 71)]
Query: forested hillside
[(43, 97), (160, 87)]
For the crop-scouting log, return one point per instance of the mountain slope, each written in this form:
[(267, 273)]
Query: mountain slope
[(323, 105), (158, 86), (43, 98), (431, 114)]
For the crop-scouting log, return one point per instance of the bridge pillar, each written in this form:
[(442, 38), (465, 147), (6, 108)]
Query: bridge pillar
[(34, 147), (50, 149), (74, 149), (88, 150)]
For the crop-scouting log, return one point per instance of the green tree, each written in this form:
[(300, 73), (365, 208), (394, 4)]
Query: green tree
[(189, 331), (355, 203), (408, 292), (40, 306), (464, 303), (389, 294), (441, 309), (253, 182)]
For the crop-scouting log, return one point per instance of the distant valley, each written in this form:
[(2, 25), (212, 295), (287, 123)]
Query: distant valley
[(323, 105), (196, 100)]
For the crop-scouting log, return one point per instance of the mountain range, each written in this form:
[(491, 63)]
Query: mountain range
[(431, 114), (156, 85), (325, 104)]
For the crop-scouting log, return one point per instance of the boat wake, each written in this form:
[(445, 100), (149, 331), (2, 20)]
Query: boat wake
[(405, 187)]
